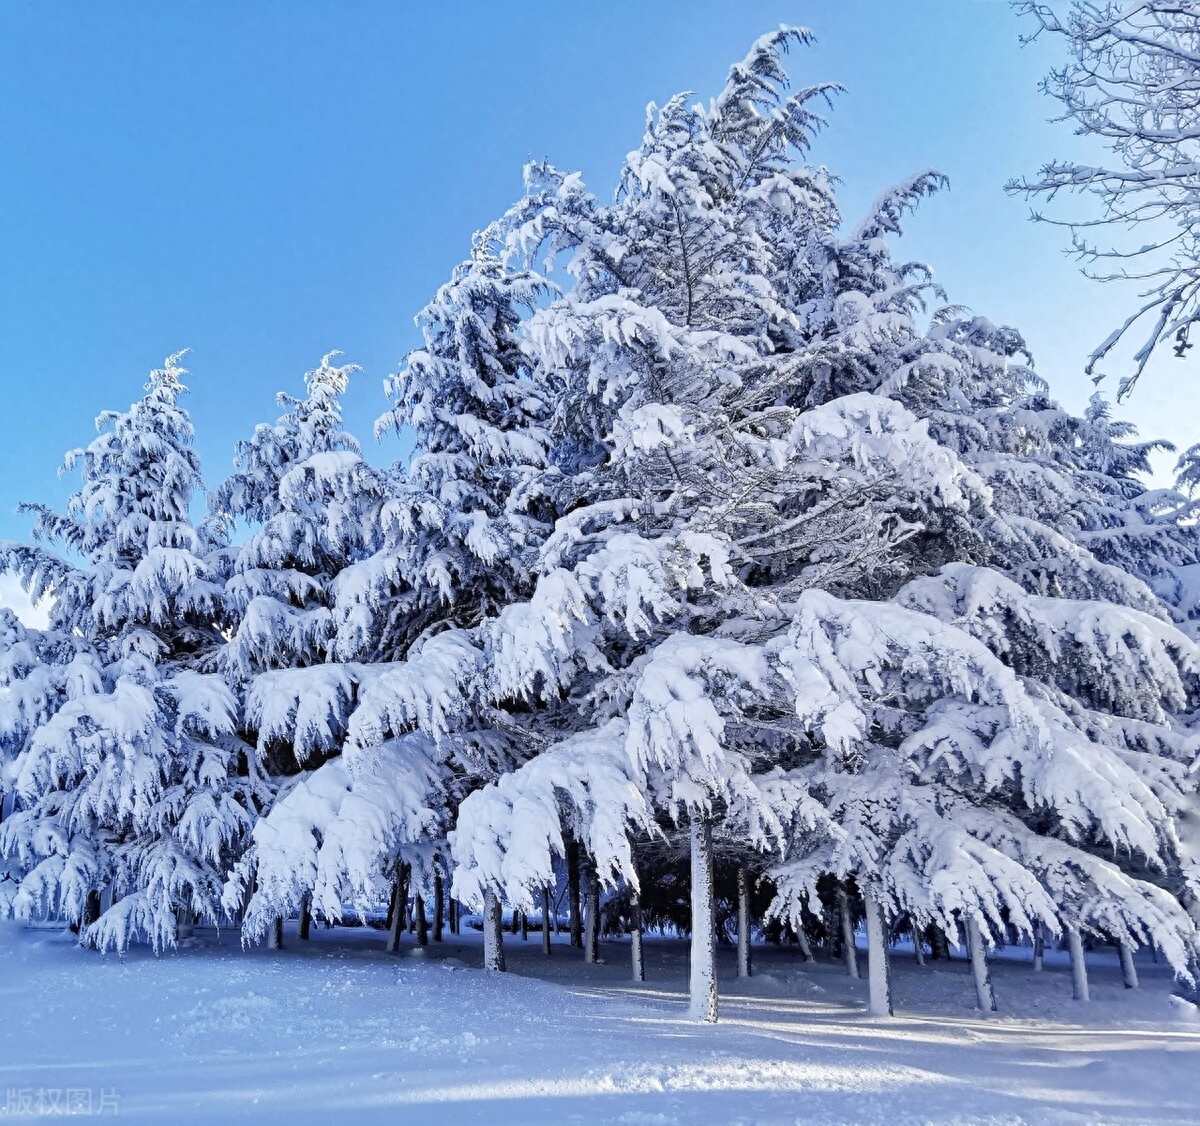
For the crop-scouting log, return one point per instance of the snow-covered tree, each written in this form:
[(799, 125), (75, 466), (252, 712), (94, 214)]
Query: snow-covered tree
[(701, 492), (476, 497), (130, 789), (39, 673), (311, 503), (454, 535), (751, 412), (312, 507), (1131, 80)]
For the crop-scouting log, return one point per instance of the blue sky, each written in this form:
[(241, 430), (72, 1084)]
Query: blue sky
[(262, 182)]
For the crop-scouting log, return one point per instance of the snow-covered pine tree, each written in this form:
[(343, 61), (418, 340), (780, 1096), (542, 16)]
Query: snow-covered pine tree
[(129, 790), (478, 497), (1067, 518), (736, 432), (1074, 514), (1078, 549), (39, 673), (477, 501), (312, 505), (455, 536), (702, 493)]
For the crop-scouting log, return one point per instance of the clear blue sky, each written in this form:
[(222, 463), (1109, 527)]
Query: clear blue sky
[(262, 182)]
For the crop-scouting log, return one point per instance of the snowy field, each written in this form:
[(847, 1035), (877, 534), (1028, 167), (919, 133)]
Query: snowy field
[(338, 1028)]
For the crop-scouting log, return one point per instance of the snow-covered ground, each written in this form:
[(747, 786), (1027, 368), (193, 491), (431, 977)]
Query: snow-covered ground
[(337, 1030)]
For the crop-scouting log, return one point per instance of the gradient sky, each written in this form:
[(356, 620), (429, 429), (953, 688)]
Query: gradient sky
[(262, 182)]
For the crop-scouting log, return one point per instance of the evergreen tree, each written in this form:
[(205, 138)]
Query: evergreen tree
[(39, 674), (454, 533), (763, 456), (312, 504), (130, 789)]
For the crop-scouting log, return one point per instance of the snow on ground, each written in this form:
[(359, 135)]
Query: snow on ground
[(337, 1027)]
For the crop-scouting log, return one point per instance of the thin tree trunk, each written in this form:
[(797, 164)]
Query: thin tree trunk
[(832, 923), (91, 909), (247, 894), (1039, 947), (391, 911), (399, 903), (493, 932), (546, 919), (1128, 969), (878, 970), (1079, 978), (524, 926), (591, 915), (703, 974), (743, 891), (422, 925), (635, 937), (305, 923), (439, 911), (849, 949), (984, 994), (276, 935), (453, 915), (939, 944), (573, 909), (918, 947), (806, 950), (183, 922)]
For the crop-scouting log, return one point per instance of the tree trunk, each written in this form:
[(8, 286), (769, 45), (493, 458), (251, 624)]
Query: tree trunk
[(439, 911), (591, 915), (1039, 947), (453, 912), (849, 950), (878, 970), (1128, 969), (391, 911), (276, 935), (524, 926), (1079, 979), (305, 923), (939, 944), (546, 920), (831, 921), (635, 937), (419, 917), (984, 994), (745, 969), (399, 903), (573, 894), (703, 975), (806, 950), (91, 909), (183, 922), (918, 947), (493, 932)]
